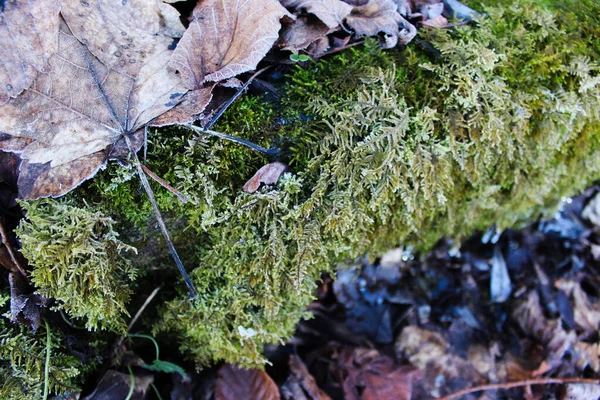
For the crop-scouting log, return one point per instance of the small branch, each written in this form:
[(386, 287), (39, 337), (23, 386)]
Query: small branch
[(142, 308), (10, 250), (164, 184), (510, 385), (255, 147), (233, 98), (161, 222)]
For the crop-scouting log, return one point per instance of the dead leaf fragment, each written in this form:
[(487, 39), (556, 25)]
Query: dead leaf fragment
[(301, 33), (28, 32), (330, 12), (301, 385), (381, 16), (226, 38), (77, 108), (234, 383), (373, 376), (268, 175), (436, 22), (26, 307), (116, 385)]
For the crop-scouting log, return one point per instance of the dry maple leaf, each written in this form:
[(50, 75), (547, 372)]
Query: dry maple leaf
[(235, 383), (88, 99), (224, 39), (330, 12), (28, 37), (381, 16)]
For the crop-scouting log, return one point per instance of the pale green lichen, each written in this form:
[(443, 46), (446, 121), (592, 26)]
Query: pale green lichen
[(77, 259)]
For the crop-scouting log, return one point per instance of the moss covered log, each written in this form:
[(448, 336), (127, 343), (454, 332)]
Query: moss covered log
[(487, 123)]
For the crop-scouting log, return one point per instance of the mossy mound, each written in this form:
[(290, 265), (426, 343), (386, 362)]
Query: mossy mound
[(494, 126)]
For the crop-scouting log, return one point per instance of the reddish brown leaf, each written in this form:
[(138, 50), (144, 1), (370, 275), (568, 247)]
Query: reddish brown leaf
[(330, 12), (234, 383), (28, 37), (79, 106), (373, 376), (268, 175), (301, 385)]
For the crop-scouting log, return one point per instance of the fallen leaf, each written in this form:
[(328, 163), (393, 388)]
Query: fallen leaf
[(575, 391), (301, 33), (330, 12), (431, 10), (26, 307), (431, 353), (226, 38), (373, 376), (436, 22), (28, 37), (458, 10), (586, 312), (63, 124), (381, 16), (117, 385), (234, 383), (500, 285), (268, 175), (301, 385)]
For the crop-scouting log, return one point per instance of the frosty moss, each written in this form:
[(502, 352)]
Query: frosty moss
[(490, 123)]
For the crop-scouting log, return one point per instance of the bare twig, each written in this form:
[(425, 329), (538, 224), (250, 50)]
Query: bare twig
[(10, 250), (159, 219), (510, 385), (233, 98), (142, 308), (255, 147), (164, 184)]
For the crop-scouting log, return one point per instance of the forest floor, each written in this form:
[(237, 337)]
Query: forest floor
[(503, 315)]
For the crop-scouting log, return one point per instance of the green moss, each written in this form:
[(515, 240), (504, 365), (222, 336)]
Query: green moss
[(23, 362), (384, 148), (77, 260)]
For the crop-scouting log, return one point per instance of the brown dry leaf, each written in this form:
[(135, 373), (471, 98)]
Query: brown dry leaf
[(226, 38), (301, 33), (189, 110), (116, 385), (373, 376), (381, 16), (301, 385), (268, 175), (234, 383), (436, 22), (551, 334), (330, 12), (26, 307), (431, 353), (577, 391), (28, 37), (586, 313), (63, 124)]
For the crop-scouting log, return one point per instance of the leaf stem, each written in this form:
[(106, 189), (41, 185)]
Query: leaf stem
[(132, 385), (140, 335), (161, 222), (47, 365), (255, 147)]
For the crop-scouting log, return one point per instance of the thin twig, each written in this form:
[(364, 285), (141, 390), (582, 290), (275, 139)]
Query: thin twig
[(233, 98), (47, 364), (10, 250), (255, 147), (159, 219), (142, 308), (510, 385), (164, 184)]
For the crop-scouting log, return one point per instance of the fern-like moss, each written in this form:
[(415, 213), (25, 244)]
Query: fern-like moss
[(77, 259), (384, 148)]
